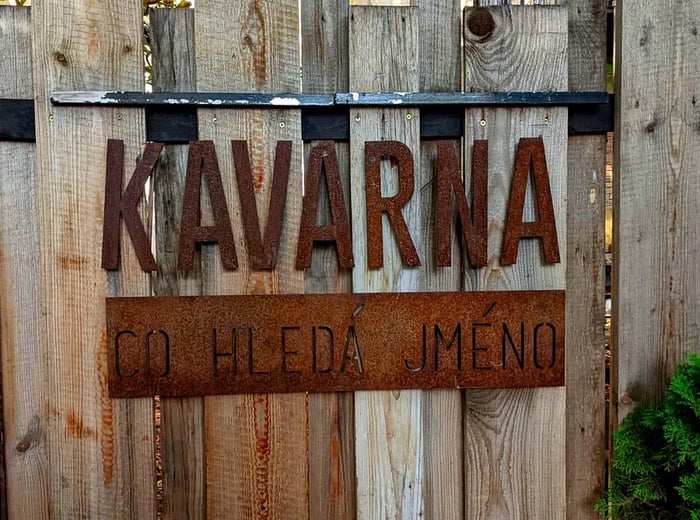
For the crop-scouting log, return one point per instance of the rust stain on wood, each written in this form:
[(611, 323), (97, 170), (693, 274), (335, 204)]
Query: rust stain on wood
[(106, 412), (76, 428), (72, 262), (321, 343), (261, 426), (254, 38)]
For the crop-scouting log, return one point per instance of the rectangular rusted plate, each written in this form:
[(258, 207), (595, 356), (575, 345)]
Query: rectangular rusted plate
[(324, 343)]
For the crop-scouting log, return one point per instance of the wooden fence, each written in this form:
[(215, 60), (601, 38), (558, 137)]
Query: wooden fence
[(72, 452)]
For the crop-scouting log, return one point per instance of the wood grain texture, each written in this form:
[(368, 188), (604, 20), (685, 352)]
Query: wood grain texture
[(384, 56), (331, 415), (443, 458), (263, 473), (585, 273), (515, 439), (656, 311), (25, 488), (100, 451), (182, 419)]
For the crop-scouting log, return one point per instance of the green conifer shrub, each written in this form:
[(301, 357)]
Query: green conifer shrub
[(656, 460)]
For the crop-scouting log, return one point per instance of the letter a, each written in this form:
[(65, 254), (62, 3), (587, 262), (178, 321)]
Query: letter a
[(201, 161), (530, 156)]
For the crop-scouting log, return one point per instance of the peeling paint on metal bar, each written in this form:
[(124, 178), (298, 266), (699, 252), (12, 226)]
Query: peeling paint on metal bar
[(283, 100), (203, 99)]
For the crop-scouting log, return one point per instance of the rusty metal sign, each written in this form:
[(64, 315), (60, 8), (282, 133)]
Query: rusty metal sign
[(324, 343)]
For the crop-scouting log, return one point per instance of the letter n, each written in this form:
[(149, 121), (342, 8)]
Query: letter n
[(475, 221), (530, 157)]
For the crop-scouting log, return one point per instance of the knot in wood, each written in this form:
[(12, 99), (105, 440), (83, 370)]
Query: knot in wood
[(60, 58), (481, 23)]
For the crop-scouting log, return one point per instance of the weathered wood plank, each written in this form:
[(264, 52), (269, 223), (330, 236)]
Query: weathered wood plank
[(331, 415), (585, 273), (182, 419), (100, 451), (515, 439), (656, 279), (254, 48), (440, 71), (388, 425), (24, 414)]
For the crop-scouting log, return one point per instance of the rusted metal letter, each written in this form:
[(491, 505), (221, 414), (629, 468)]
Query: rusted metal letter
[(474, 222), (323, 159), (120, 205), (375, 151), (530, 156), (262, 254), (201, 161)]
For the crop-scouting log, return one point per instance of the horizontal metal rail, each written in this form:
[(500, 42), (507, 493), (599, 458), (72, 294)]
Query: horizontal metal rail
[(351, 99), (172, 118)]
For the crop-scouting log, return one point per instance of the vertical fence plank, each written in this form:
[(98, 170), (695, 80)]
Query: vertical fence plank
[(182, 419), (23, 371), (388, 425), (331, 426), (100, 451), (656, 197), (440, 71), (585, 275), (515, 439), (256, 445)]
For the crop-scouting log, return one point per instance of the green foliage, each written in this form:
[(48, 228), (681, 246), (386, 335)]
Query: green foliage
[(656, 464)]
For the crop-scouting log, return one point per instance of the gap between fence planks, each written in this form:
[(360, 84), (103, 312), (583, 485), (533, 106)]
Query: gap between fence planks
[(331, 425), (25, 493), (585, 273), (182, 419), (388, 425), (515, 439), (656, 306), (256, 445), (96, 446)]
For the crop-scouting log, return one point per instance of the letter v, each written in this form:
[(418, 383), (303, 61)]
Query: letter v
[(262, 254)]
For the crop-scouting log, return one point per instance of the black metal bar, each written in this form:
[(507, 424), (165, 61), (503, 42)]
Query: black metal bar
[(183, 99), (388, 99), (17, 120), (178, 123), (592, 119), (172, 125), (470, 99)]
